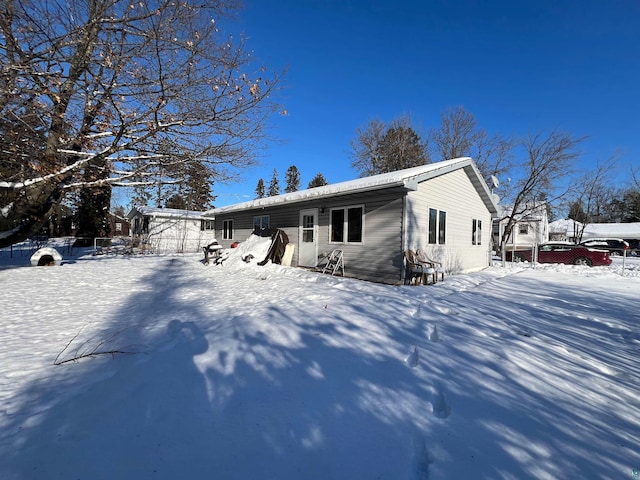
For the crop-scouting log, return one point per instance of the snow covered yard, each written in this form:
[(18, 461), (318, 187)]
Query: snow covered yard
[(247, 372)]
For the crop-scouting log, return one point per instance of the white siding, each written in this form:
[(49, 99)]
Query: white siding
[(174, 235), (454, 194)]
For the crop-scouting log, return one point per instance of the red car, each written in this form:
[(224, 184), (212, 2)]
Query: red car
[(564, 253)]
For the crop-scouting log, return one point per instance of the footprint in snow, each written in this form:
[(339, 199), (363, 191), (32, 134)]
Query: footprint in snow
[(441, 408), (434, 336), (413, 359), (421, 461)]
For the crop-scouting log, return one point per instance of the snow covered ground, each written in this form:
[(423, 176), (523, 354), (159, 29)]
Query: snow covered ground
[(248, 372)]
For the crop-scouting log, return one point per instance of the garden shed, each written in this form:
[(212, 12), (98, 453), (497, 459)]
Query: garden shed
[(169, 230)]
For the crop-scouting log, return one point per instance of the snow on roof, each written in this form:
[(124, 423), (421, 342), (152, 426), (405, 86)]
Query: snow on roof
[(166, 212), (408, 177), (594, 230)]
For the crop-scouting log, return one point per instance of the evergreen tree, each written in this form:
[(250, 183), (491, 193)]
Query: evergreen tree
[(274, 185), (196, 187), (176, 201), (92, 216), (260, 193), (292, 177), (318, 181), (380, 149)]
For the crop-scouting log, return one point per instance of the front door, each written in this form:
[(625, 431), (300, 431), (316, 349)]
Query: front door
[(308, 241)]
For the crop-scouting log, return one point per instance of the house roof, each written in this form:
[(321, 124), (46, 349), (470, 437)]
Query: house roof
[(595, 230), (164, 212), (408, 178)]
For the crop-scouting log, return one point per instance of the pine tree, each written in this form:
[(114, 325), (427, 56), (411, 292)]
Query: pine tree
[(196, 187), (318, 181), (176, 201), (292, 177), (260, 189), (274, 185), (92, 216)]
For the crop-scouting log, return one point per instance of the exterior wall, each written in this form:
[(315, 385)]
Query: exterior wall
[(530, 230), (119, 226), (454, 194), (175, 235), (377, 258)]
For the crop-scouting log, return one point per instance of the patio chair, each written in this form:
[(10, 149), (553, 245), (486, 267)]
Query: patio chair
[(419, 271), (335, 263), (422, 256)]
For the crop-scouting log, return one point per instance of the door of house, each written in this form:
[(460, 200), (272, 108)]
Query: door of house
[(308, 241)]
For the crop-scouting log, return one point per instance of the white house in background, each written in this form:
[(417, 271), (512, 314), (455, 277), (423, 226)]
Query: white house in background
[(168, 230), (443, 208), (570, 229), (531, 228)]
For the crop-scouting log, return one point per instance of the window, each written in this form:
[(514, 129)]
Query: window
[(227, 230), (307, 228), (523, 229), (261, 222), (207, 224), (347, 225), (442, 228), (437, 227), (118, 226), (476, 232)]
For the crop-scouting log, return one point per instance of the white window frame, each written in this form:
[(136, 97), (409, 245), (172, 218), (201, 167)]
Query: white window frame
[(476, 232), (207, 225), (439, 231), (345, 225)]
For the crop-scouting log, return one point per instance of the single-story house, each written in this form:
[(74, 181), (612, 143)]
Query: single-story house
[(570, 230), (443, 208), (168, 230), (531, 228)]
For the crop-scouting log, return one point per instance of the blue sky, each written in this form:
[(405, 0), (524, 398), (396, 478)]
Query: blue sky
[(520, 67)]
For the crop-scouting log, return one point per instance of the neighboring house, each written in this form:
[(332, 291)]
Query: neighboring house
[(443, 208), (570, 230), (168, 230), (530, 229), (120, 227)]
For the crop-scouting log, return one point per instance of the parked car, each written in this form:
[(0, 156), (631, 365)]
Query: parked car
[(634, 246), (615, 246), (562, 252)]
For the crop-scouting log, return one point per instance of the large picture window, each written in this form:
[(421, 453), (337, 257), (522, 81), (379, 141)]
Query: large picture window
[(260, 223), (347, 225), (227, 230), (437, 227)]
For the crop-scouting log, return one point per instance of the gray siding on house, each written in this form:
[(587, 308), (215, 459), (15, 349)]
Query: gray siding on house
[(379, 257)]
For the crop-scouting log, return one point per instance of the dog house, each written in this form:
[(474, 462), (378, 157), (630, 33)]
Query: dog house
[(46, 256)]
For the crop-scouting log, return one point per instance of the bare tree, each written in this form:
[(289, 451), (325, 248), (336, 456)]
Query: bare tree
[(379, 148), (366, 147), (459, 136), (103, 84), (548, 160), (593, 193)]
